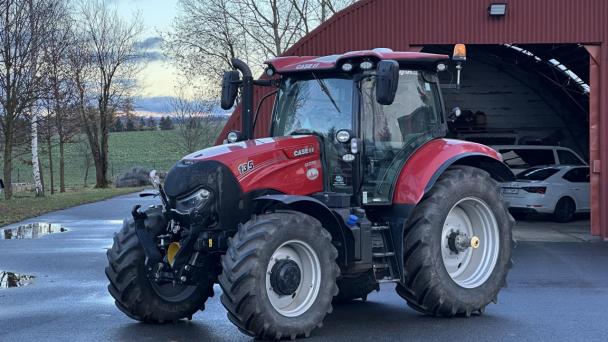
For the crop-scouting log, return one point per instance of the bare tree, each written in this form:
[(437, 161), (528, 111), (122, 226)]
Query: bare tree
[(47, 132), (197, 126), (107, 64), (60, 88), (208, 33), (23, 26), (204, 38)]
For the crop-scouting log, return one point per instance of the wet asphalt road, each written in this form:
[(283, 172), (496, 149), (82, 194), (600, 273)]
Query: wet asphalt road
[(557, 292)]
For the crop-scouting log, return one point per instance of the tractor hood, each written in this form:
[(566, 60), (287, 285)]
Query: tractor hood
[(289, 165)]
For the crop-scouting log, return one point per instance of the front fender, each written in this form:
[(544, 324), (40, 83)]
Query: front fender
[(426, 165), (341, 235)]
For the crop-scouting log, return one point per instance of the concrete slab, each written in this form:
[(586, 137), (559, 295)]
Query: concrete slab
[(543, 229), (557, 292)]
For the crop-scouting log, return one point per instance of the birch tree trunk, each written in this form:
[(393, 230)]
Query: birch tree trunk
[(35, 164)]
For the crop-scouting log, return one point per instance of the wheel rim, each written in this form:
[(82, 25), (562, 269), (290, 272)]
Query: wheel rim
[(297, 303), (470, 267)]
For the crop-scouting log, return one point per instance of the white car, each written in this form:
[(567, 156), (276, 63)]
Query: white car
[(561, 190), (522, 157)]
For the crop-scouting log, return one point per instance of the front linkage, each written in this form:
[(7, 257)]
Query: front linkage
[(178, 254)]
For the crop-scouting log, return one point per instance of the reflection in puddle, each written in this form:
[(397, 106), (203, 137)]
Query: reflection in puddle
[(31, 231), (10, 279)]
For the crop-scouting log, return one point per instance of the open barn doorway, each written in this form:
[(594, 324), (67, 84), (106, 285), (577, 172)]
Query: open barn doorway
[(531, 103)]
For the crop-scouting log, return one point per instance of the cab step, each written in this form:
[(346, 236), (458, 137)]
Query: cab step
[(384, 259)]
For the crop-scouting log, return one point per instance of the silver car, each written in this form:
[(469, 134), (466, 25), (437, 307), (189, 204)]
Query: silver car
[(560, 190)]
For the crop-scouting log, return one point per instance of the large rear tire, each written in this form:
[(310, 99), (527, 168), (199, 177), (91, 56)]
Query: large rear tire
[(443, 276), (279, 275), (136, 295)]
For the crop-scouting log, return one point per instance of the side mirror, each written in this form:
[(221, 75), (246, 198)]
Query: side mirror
[(387, 80), (230, 85)]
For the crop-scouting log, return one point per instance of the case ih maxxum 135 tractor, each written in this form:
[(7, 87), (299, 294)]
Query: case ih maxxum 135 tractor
[(355, 186)]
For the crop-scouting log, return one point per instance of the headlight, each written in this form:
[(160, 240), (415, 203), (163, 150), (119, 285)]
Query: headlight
[(233, 136), (196, 200)]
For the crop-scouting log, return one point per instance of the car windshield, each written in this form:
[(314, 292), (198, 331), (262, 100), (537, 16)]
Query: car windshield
[(537, 173), (313, 104)]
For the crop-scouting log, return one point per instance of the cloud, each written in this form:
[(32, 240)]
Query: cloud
[(152, 43), (152, 56), (149, 49)]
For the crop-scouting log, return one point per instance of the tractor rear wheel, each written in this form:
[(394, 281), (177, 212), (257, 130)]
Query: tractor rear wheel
[(140, 298), (457, 245), (279, 275)]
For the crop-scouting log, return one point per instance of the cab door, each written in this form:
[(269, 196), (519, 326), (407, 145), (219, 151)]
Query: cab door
[(392, 133)]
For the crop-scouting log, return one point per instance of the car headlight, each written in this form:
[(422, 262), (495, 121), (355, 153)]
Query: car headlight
[(196, 200)]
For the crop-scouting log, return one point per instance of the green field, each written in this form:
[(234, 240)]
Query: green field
[(26, 205), (152, 149)]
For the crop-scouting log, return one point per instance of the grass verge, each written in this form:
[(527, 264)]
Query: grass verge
[(25, 205)]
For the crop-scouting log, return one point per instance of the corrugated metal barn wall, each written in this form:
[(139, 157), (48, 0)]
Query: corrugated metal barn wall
[(406, 24)]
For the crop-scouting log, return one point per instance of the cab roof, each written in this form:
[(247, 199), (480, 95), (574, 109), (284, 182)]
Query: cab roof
[(307, 63)]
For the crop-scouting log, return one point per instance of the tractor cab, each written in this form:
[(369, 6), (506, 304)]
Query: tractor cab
[(370, 110)]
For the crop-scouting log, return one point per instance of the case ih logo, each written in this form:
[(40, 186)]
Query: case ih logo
[(303, 151), (307, 66)]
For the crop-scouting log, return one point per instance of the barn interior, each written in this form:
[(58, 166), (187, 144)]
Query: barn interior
[(515, 94)]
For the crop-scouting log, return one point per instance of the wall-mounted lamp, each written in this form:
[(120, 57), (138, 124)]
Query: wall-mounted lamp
[(497, 10)]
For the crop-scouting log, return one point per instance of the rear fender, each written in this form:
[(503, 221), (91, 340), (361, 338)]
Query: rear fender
[(427, 164), (342, 237), (425, 167)]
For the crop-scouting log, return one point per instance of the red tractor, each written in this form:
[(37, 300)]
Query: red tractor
[(355, 186)]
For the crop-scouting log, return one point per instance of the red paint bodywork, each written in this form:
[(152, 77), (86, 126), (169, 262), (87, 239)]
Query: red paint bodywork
[(304, 63), (424, 163), (279, 163)]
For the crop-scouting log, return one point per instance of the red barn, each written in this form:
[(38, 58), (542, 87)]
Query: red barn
[(537, 68)]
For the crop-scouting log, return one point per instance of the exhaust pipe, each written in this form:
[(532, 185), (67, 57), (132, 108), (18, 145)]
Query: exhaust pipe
[(247, 98)]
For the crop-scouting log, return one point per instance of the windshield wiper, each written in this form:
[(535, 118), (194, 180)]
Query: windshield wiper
[(327, 92)]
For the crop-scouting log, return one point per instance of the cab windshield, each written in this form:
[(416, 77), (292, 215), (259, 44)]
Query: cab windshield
[(313, 104)]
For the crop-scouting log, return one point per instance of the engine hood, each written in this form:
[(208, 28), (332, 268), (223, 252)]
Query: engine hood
[(288, 164), (228, 152)]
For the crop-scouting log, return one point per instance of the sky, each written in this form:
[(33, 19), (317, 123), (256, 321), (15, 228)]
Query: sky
[(158, 78)]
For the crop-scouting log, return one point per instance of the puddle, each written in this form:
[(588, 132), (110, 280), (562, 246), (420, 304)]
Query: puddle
[(10, 279), (31, 231)]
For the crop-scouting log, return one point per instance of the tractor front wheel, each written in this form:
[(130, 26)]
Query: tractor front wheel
[(279, 275), (141, 298), (457, 245)]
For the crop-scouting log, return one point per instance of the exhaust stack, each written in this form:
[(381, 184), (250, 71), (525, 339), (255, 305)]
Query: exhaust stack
[(247, 98)]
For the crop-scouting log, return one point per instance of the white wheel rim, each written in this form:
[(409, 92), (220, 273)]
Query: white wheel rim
[(472, 267), (310, 282)]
